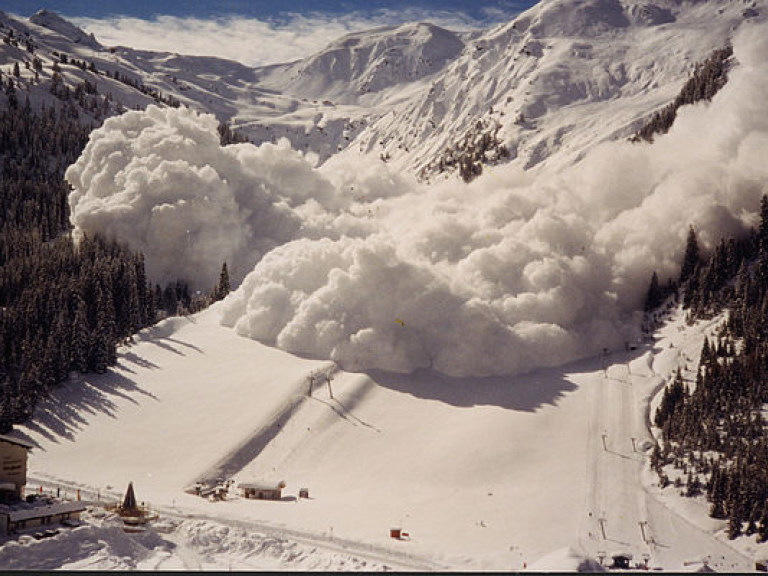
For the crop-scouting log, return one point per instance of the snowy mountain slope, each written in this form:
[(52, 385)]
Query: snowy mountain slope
[(484, 473), (502, 474), (56, 23), (562, 77), (557, 80), (362, 65), (45, 41), (356, 262)]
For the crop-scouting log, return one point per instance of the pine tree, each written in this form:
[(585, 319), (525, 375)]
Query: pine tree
[(223, 288), (80, 338), (691, 259), (762, 526), (763, 234), (734, 522), (10, 92), (656, 459), (654, 295), (717, 497)]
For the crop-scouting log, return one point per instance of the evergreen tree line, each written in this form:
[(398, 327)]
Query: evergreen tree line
[(706, 81), (35, 149), (716, 433), (63, 308), (480, 145)]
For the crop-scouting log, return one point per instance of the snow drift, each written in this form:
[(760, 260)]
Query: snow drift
[(373, 271)]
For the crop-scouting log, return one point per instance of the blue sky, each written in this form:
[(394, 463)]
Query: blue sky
[(480, 10), (259, 32)]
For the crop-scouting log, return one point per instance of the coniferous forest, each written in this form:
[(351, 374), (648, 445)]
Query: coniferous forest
[(63, 308), (715, 431), (706, 80)]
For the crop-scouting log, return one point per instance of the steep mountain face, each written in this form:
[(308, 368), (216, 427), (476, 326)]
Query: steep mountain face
[(368, 63), (562, 77), (542, 89)]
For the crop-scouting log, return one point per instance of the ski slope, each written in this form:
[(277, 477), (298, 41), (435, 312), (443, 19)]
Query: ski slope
[(491, 474)]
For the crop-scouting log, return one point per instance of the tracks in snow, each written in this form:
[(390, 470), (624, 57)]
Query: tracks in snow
[(633, 519), (614, 508)]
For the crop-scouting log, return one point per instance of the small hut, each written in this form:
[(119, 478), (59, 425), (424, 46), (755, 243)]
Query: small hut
[(621, 560), (41, 513), (262, 491)]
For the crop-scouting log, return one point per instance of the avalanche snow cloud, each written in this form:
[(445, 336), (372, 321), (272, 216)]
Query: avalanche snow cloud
[(352, 263), (160, 180)]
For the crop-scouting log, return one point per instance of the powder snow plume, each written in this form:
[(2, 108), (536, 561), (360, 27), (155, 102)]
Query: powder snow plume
[(160, 181), (354, 263)]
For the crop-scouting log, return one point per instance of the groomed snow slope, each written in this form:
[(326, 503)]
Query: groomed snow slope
[(489, 474)]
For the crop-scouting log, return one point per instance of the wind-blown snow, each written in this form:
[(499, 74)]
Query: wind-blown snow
[(373, 271)]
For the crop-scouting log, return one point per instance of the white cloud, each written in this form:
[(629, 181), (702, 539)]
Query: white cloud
[(372, 270), (251, 41)]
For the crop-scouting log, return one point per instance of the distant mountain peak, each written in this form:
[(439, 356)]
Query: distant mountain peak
[(370, 62), (54, 22)]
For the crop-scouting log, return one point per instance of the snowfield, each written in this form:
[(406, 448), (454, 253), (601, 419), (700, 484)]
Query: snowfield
[(490, 474)]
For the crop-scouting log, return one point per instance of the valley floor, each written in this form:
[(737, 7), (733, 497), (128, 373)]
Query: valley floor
[(543, 471)]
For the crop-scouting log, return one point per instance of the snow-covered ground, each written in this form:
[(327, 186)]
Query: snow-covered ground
[(493, 474)]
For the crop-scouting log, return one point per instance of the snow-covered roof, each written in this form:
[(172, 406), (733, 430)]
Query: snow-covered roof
[(262, 485), (45, 510), (17, 441)]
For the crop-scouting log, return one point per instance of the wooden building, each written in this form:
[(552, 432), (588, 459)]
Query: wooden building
[(13, 467), (17, 514), (262, 491), (42, 514)]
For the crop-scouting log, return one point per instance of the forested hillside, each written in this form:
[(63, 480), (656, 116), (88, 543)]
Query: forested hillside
[(715, 431), (706, 80), (63, 307)]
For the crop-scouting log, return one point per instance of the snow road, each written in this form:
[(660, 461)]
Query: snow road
[(624, 514)]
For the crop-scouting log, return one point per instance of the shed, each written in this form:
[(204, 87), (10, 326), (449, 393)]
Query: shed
[(262, 491), (621, 560), (21, 518), (13, 467)]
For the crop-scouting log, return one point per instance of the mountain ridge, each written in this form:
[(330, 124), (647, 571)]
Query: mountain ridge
[(546, 86)]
